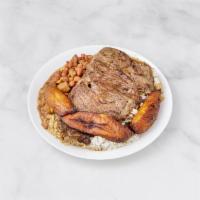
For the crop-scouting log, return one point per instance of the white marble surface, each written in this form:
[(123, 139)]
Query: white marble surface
[(167, 32)]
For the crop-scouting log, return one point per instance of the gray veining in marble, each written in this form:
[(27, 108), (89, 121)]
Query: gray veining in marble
[(166, 31)]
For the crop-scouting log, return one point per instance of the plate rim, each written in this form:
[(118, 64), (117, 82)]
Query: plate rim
[(98, 155)]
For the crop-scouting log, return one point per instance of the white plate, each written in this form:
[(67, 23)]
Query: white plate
[(145, 139)]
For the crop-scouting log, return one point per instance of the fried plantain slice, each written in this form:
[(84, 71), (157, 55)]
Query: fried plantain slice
[(147, 113), (58, 101), (98, 125)]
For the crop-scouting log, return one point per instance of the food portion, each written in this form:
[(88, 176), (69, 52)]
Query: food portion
[(98, 125), (100, 102), (147, 113), (112, 84), (64, 79), (59, 102)]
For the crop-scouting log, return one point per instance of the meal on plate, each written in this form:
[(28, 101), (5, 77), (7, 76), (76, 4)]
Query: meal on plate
[(100, 102)]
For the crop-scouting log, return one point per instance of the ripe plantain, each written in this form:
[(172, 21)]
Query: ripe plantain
[(98, 125), (58, 101), (147, 113)]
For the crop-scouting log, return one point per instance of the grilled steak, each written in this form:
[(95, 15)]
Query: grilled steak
[(112, 84)]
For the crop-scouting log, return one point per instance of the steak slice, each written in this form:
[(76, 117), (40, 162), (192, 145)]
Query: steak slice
[(112, 84)]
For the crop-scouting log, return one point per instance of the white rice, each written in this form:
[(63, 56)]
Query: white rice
[(100, 143), (157, 83)]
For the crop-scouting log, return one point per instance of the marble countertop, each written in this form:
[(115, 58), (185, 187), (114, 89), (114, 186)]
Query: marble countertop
[(167, 32)]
